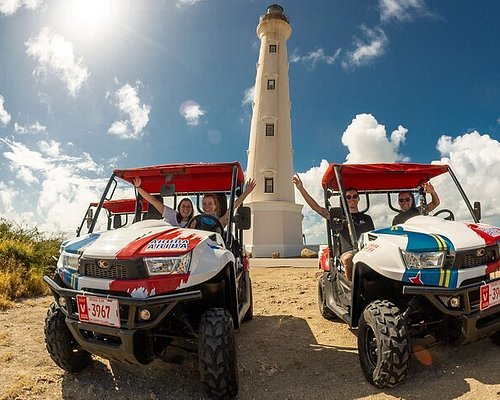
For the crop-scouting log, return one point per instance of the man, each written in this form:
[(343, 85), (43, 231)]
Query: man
[(362, 222), (408, 207)]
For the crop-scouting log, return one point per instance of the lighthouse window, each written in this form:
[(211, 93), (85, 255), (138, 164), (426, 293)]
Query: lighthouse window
[(271, 84), (269, 185), (272, 48), (269, 129)]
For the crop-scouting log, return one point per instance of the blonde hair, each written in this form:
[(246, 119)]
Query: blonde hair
[(216, 201)]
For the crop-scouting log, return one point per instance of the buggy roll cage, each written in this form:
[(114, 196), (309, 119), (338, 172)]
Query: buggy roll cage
[(381, 178), (167, 173)]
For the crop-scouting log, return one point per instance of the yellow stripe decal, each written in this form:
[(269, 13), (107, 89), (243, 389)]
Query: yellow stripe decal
[(441, 276), (448, 277)]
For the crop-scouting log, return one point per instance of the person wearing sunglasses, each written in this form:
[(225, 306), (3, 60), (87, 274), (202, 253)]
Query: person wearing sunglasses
[(362, 222), (407, 204)]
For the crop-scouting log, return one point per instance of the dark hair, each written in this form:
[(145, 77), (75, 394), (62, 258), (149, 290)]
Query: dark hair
[(413, 206), (179, 216)]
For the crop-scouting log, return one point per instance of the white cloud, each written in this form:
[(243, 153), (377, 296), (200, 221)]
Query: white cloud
[(7, 196), (129, 103), (314, 57), (56, 55), (365, 51), (4, 115), (31, 129), (214, 136), (9, 7), (65, 184), (248, 95), (182, 3), (192, 112), (402, 10), (51, 148), (475, 159), (367, 141)]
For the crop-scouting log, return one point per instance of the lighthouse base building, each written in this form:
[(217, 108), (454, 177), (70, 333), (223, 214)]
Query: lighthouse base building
[(276, 228)]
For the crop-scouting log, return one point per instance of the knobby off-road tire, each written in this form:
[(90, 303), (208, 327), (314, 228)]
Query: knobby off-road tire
[(61, 345), (383, 344), (495, 338), (323, 308), (217, 354)]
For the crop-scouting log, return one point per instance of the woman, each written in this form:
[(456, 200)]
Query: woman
[(210, 203), (181, 217)]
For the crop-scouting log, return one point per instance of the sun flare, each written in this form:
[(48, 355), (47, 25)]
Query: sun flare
[(91, 15)]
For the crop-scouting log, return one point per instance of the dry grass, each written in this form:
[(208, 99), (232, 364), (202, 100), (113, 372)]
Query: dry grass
[(25, 257)]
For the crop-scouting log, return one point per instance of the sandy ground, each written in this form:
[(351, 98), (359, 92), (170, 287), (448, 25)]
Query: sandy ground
[(286, 352)]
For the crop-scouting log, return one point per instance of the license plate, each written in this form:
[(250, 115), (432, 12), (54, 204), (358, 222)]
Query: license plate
[(98, 310), (490, 295)]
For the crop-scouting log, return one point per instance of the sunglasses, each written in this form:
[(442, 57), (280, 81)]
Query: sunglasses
[(407, 199), (354, 196)]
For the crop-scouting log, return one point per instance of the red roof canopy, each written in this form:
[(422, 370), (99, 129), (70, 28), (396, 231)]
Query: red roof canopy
[(200, 177), (121, 206), (383, 176)]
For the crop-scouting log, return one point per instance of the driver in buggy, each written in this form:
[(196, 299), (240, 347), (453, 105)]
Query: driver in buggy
[(212, 210), (362, 222)]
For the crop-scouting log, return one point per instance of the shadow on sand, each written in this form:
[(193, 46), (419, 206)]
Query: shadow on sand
[(279, 358)]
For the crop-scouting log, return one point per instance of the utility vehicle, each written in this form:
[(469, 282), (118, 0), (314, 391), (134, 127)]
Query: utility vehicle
[(429, 279), (151, 290)]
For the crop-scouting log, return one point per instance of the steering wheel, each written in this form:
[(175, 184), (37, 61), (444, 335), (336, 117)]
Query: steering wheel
[(206, 222), (449, 217)]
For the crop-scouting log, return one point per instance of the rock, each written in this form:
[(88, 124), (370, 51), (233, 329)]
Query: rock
[(307, 253)]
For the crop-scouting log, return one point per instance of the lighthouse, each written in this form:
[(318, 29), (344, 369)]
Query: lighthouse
[(277, 219)]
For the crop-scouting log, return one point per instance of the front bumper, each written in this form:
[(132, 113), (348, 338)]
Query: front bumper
[(122, 348), (475, 323)]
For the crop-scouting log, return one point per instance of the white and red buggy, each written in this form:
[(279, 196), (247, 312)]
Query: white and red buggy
[(152, 290), (429, 279)]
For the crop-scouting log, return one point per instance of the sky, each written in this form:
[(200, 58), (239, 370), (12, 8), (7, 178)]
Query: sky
[(91, 85)]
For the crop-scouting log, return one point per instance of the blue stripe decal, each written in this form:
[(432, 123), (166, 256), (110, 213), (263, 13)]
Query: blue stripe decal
[(76, 246), (419, 242), (69, 277), (432, 277)]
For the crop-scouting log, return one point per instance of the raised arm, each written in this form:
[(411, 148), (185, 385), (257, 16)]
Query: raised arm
[(428, 188), (250, 185), (149, 198), (308, 198)]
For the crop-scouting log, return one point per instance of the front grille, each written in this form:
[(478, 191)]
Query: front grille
[(117, 269), (470, 258)]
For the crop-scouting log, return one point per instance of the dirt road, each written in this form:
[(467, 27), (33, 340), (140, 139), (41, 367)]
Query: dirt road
[(286, 352)]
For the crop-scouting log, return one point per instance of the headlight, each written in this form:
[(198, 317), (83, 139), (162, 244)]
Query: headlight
[(168, 265), (70, 261), (432, 259)]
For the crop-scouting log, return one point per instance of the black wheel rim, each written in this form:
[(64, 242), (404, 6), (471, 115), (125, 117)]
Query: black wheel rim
[(370, 348)]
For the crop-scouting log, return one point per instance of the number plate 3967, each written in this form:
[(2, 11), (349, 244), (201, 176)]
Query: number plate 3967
[(98, 310)]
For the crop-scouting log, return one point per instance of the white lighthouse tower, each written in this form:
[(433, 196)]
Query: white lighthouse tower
[(277, 219)]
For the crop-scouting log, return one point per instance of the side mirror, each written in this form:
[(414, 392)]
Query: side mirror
[(89, 217), (242, 218), (167, 189), (477, 210), (336, 219), (117, 221)]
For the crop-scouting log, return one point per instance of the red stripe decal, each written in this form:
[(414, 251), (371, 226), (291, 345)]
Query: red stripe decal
[(152, 286), (483, 233)]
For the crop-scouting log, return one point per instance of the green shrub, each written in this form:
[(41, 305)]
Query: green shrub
[(25, 256)]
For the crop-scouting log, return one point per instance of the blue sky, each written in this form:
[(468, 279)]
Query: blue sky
[(87, 86)]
